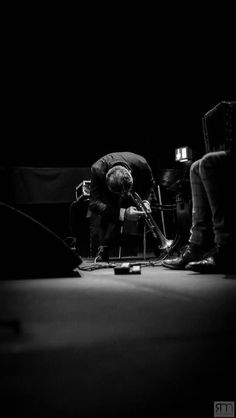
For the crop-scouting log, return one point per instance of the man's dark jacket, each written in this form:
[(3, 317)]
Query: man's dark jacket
[(108, 204)]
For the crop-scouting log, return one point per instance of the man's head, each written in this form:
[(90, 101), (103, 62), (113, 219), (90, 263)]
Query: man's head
[(119, 180)]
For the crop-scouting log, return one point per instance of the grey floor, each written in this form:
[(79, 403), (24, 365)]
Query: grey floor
[(158, 344)]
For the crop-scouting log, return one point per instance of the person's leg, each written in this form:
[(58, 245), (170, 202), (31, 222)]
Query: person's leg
[(108, 237), (217, 170), (214, 170), (200, 237), (201, 228)]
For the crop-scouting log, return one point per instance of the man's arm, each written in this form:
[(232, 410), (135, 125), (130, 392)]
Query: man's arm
[(99, 202)]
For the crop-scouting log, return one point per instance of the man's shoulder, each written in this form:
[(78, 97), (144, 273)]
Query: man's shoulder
[(111, 159), (134, 158)]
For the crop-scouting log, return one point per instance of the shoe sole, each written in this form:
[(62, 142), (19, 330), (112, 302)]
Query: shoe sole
[(173, 267)]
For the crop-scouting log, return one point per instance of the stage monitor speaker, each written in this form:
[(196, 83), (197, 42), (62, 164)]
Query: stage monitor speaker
[(30, 249)]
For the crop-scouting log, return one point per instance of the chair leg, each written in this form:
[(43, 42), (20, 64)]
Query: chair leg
[(120, 247), (162, 214), (144, 243)]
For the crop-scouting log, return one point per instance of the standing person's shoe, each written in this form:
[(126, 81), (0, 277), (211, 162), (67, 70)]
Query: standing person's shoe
[(103, 254), (221, 260), (192, 252), (206, 265)]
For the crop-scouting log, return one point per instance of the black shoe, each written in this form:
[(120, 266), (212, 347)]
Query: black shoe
[(221, 260), (206, 265), (102, 255), (192, 252)]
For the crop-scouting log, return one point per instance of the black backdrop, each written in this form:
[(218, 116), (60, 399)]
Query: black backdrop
[(68, 100), (78, 133)]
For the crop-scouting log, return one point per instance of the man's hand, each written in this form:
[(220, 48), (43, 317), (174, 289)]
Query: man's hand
[(132, 214), (147, 206)]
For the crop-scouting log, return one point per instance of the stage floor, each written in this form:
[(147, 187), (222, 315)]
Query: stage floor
[(160, 343)]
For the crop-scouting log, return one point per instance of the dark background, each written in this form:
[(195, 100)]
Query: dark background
[(72, 93)]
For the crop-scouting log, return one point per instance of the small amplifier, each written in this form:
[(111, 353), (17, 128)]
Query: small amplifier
[(83, 189)]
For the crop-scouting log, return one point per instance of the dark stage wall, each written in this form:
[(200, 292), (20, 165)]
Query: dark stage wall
[(70, 96), (60, 119), (77, 136)]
